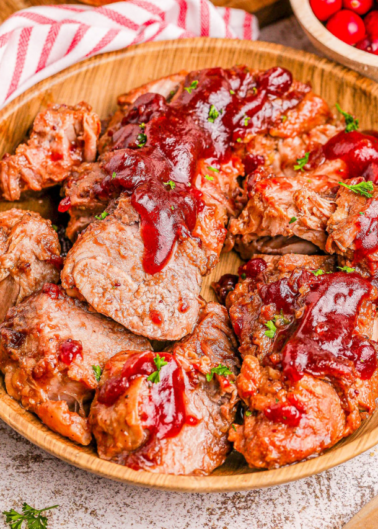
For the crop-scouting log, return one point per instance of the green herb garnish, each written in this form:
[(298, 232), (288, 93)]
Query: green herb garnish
[(155, 376), (293, 219), (248, 413), (232, 92), (362, 188), (54, 227), (192, 87), (214, 169), (346, 269), (317, 273), (301, 162), (102, 216), (170, 183), (32, 517), (213, 114), (142, 139), (272, 329), (350, 122), (220, 370), (97, 372), (283, 119), (246, 119), (114, 175), (210, 178)]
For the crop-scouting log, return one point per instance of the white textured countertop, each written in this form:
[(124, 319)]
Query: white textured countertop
[(326, 501)]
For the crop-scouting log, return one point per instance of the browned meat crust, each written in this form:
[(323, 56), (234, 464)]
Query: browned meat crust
[(32, 336), (201, 445), (29, 256), (62, 137)]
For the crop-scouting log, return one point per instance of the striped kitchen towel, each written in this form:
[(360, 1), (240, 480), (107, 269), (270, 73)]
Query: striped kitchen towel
[(38, 42)]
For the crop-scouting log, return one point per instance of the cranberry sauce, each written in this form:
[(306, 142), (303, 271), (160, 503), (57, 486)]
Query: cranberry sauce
[(253, 269), (225, 285), (53, 291), (158, 149), (366, 242), (325, 343), (164, 414), (358, 150), (283, 413), (68, 351)]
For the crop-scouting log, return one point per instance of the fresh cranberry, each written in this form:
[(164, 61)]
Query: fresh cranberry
[(347, 26), (361, 7), (369, 44), (371, 23), (324, 9)]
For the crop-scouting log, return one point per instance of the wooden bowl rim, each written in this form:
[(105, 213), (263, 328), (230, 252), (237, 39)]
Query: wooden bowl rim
[(29, 426), (315, 28)]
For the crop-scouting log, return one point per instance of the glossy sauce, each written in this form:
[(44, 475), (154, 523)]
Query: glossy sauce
[(284, 413), (366, 242), (225, 285), (160, 144), (68, 351), (53, 291)]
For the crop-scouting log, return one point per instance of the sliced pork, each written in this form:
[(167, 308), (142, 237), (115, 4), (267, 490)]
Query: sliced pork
[(29, 256), (62, 137), (52, 351), (170, 412)]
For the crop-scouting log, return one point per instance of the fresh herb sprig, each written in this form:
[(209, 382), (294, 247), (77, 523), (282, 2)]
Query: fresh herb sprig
[(33, 517), (102, 216), (213, 114), (220, 370), (97, 372), (192, 87), (270, 333), (351, 123), (155, 376), (363, 188), (346, 269), (301, 162)]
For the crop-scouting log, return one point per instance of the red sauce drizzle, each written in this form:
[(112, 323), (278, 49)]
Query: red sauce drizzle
[(283, 413), (324, 343), (54, 291), (159, 146), (68, 351), (164, 414)]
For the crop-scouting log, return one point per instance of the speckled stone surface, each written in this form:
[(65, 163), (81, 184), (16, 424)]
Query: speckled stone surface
[(326, 501)]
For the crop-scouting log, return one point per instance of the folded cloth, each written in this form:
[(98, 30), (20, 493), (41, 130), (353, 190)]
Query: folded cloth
[(38, 42)]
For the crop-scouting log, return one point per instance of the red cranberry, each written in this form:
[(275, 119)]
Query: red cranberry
[(64, 205), (324, 9), (69, 349), (253, 268), (371, 23), (369, 44), (361, 7), (347, 26)]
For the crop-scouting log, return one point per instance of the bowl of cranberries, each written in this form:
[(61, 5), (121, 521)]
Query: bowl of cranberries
[(343, 30)]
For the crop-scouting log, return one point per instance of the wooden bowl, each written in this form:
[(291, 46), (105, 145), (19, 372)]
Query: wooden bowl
[(98, 81), (332, 47)]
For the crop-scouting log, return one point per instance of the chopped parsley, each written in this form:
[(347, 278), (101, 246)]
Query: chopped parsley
[(155, 376), (346, 269), (362, 188), (281, 318), (272, 329), (142, 125), (142, 139), (214, 169), (233, 426), (317, 273), (350, 123), (210, 178), (283, 119), (293, 219), (102, 216), (172, 208), (232, 92), (54, 227), (254, 90), (192, 87), (170, 183), (220, 370), (213, 114), (244, 275), (239, 140), (246, 119), (301, 162), (248, 413), (114, 175), (32, 517), (97, 372), (361, 213)]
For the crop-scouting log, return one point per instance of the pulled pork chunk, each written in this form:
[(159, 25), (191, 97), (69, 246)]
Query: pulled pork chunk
[(29, 256), (50, 345), (62, 137), (309, 375), (170, 412)]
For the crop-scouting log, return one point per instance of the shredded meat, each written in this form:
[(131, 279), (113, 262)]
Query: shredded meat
[(62, 137)]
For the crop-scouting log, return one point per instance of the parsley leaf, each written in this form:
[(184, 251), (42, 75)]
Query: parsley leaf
[(114, 175), (102, 216), (97, 372), (301, 162), (142, 125), (283, 119), (281, 317), (220, 370), (254, 90), (293, 219), (244, 275), (172, 208), (192, 87), (155, 376), (317, 273), (142, 139), (239, 140), (54, 227), (232, 92), (248, 413), (361, 213), (360, 189), (32, 517), (210, 178), (350, 122), (272, 329), (246, 119), (214, 169), (346, 269), (170, 183), (213, 114)]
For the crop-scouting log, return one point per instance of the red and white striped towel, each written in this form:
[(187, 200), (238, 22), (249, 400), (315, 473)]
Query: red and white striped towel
[(38, 42)]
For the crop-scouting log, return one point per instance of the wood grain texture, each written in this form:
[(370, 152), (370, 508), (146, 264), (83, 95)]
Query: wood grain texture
[(332, 47), (98, 81), (366, 518)]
